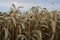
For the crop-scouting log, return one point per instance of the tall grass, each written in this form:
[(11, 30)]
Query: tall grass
[(35, 24)]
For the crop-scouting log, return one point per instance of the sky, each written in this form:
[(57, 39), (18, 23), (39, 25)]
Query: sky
[(5, 5)]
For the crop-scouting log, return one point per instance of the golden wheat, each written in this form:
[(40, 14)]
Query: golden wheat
[(34, 24)]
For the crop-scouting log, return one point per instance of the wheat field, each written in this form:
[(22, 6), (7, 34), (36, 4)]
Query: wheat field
[(35, 24)]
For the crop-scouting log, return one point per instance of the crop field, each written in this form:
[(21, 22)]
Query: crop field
[(34, 24)]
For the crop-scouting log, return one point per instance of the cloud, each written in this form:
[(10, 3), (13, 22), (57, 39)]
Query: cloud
[(4, 6), (16, 3)]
